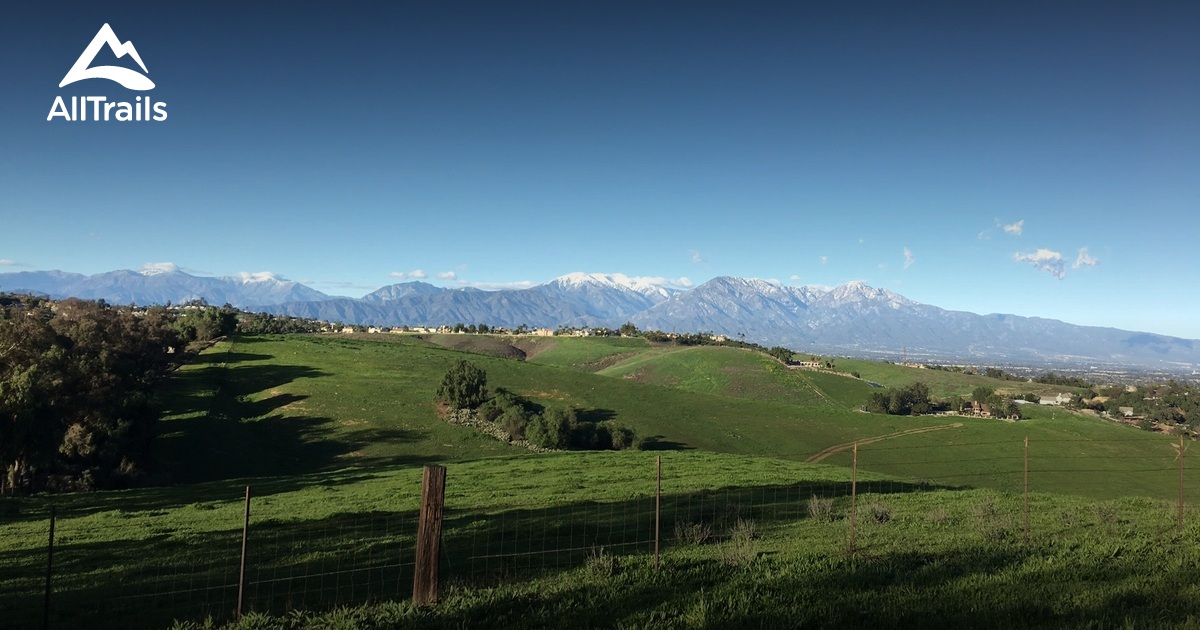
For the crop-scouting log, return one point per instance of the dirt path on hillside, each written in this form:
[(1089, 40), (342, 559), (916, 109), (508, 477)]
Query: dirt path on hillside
[(838, 448)]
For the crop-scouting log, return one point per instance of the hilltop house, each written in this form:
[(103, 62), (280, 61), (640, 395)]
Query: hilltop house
[(1058, 399)]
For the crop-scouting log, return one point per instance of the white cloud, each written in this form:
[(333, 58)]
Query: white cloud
[(909, 259), (1047, 260), (1014, 229), (658, 281), (696, 257), (983, 236), (824, 260), (496, 286), (795, 278), (4, 262), (162, 267), (1085, 260), (415, 274), (339, 284), (447, 275), (261, 276)]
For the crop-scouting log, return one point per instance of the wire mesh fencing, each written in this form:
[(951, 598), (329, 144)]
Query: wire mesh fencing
[(95, 576)]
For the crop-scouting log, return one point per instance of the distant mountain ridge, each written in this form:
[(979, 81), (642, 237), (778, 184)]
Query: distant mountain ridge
[(854, 319), (160, 284)]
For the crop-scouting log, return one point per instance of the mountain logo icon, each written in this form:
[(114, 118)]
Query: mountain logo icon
[(130, 79)]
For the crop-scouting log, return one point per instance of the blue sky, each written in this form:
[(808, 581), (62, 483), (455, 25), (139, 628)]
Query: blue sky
[(349, 145)]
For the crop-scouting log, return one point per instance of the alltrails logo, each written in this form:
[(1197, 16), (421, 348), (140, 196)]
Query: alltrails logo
[(99, 107)]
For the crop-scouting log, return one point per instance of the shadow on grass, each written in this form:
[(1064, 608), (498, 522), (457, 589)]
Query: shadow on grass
[(228, 358), (660, 443), (219, 430), (350, 559), (976, 586), (345, 559)]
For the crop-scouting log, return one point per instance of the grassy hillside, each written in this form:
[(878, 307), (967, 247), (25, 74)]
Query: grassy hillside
[(303, 404), (523, 538), (330, 431), (943, 384)]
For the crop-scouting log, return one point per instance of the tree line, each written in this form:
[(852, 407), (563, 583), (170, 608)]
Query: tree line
[(77, 380), (914, 400)]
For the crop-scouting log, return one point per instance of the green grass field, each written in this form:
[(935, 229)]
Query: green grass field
[(331, 431), (295, 405)]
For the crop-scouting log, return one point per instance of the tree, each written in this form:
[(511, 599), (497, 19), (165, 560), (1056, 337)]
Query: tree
[(629, 330), (75, 392), (908, 400), (781, 353), (551, 429), (981, 394), (464, 386)]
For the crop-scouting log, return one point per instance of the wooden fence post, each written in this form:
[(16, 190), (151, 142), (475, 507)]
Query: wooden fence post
[(657, 508), (49, 570), (245, 546), (429, 535)]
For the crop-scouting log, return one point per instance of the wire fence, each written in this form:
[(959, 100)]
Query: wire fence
[(150, 578)]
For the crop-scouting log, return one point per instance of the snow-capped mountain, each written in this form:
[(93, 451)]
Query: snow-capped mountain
[(859, 319), (854, 318), (159, 284), (604, 298)]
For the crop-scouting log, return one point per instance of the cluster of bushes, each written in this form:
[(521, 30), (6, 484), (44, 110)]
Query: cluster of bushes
[(1050, 378), (76, 381), (465, 387), (197, 321), (553, 428), (999, 406), (1171, 403), (914, 400), (910, 400), (265, 323)]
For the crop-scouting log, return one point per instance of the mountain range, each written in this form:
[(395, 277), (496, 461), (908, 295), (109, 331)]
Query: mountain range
[(853, 319)]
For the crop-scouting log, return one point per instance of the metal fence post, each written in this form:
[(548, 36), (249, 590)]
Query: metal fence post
[(657, 508), (1180, 502), (49, 569), (853, 497), (242, 570), (1026, 519)]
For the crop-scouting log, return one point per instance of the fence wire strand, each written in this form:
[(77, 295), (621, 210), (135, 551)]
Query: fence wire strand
[(357, 558)]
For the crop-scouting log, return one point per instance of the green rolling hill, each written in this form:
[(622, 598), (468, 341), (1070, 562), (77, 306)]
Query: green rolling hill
[(300, 404)]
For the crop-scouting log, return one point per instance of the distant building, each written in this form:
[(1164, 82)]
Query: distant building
[(1057, 399)]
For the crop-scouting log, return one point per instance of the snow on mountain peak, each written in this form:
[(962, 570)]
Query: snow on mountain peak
[(646, 285), (157, 269), (260, 276)]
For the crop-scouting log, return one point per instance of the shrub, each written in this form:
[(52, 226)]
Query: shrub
[(551, 429), (601, 563), (624, 438), (879, 512), (741, 549), (821, 508), (693, 533), (464, 386)]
